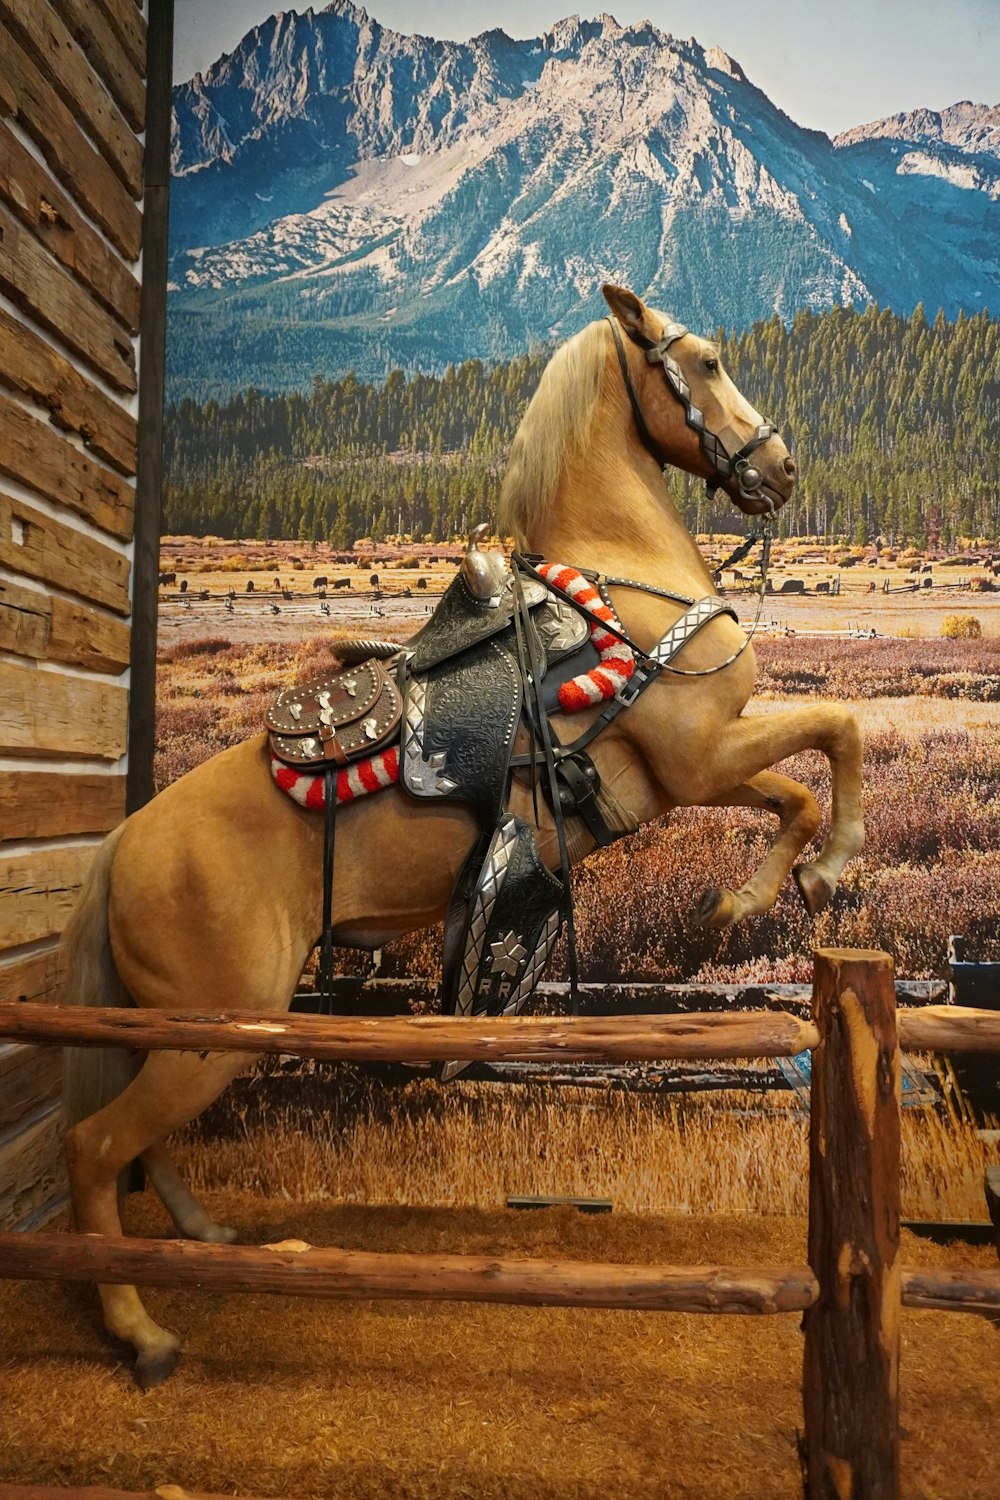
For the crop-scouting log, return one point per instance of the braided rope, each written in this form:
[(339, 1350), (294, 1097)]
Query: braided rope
[(617, 661), (357, 780)]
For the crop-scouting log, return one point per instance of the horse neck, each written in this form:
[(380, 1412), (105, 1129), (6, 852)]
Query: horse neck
[(612, 511)]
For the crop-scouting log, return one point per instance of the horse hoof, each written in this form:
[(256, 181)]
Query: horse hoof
[(218, 1234), (815, 890), (715, 908), (154, 1366)]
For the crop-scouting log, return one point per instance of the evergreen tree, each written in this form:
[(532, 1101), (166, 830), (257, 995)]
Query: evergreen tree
[(889, 418)]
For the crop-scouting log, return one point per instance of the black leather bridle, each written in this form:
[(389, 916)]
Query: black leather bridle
[(726, 465)]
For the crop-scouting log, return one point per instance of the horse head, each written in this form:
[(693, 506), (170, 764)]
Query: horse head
[(689, 413)]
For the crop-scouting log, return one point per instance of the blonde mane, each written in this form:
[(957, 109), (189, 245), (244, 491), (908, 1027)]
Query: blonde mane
[(557, 423)]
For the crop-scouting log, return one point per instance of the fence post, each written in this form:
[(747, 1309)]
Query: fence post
[(851, 1374)]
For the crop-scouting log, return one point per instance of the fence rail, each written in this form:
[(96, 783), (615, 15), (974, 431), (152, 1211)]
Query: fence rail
[(633, 1038), (849, 1294), (694, 1036)]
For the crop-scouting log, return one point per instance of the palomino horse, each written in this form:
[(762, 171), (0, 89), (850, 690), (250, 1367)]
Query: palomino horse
[(210, 896)]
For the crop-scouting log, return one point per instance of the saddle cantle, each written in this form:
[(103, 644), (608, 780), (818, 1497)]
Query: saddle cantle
[(335, 719), (464, 620)]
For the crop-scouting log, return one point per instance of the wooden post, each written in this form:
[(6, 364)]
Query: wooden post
[(149, 470), (992, 1186), (851, 1375)]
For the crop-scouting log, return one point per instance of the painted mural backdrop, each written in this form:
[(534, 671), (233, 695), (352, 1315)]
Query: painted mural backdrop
[(376, 240)]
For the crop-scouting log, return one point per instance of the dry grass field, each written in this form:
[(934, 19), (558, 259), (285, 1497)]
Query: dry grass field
[(480, 1143)]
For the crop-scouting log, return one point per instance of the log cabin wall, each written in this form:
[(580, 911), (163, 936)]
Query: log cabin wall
[(72, 121)]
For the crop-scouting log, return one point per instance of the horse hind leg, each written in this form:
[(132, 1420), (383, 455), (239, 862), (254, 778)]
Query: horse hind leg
[(188, 1215), (169, 1090), (799, 817)]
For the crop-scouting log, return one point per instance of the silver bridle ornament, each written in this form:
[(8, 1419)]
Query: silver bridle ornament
[(727, 465)]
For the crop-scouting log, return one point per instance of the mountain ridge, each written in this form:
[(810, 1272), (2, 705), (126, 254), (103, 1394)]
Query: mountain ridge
[(344, 194)]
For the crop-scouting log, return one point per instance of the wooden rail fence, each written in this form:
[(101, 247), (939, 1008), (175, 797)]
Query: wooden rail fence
[(849, 1296)]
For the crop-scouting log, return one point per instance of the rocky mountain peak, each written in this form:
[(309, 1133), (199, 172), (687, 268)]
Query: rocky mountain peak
[(383, 198), (967, 126)]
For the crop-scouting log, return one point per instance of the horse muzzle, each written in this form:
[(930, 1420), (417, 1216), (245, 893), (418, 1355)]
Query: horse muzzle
[(762, 489)]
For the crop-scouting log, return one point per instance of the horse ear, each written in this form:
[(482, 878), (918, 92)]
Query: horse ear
[(625, 305)]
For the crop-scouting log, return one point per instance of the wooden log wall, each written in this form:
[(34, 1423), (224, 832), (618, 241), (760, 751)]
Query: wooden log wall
[(72, 144)]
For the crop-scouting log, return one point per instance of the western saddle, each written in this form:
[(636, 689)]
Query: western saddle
[(469, 699)]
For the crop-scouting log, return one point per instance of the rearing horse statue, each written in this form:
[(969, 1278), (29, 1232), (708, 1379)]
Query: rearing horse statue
[(210, 896)]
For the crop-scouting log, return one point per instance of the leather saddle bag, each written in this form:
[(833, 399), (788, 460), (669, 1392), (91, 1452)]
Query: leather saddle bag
[(342, 717)]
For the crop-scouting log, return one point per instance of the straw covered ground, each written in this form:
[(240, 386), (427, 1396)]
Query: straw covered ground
[(362, 1401), (325, 1137)]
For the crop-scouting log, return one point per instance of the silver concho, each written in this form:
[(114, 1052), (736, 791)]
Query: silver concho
[(561, 627), (507, 954)]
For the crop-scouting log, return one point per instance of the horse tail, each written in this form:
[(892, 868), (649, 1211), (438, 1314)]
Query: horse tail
[(93, 1076)]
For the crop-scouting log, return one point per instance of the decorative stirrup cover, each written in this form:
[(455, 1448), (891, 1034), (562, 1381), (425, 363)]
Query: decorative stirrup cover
[(506, 924)]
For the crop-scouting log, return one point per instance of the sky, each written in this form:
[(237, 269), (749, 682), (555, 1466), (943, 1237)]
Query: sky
[(830, 64)]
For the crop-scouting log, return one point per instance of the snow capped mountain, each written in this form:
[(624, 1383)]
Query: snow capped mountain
[(347, 196)]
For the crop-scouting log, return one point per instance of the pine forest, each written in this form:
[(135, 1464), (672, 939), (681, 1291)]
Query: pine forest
[(895, 423)]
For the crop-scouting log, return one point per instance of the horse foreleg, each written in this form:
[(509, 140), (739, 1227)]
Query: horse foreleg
[(187, 1213), (169, 1090), (749, 745), (799, 817)]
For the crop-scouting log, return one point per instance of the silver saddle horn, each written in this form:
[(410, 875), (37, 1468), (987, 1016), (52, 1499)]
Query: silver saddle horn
[(484, 572)]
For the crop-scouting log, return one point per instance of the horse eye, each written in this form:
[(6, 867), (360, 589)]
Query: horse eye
[(711, 365)]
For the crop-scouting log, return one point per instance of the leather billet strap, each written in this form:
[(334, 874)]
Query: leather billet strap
[(725, 464), (532, 671), (324, 974), (579, 784)]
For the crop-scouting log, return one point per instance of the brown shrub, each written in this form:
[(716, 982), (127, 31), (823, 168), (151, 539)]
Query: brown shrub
[(206, 646), (930, 866)]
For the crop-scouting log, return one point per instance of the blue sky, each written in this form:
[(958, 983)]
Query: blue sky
[(829, 64)]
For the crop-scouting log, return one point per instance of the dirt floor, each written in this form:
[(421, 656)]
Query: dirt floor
[(295, 1398)]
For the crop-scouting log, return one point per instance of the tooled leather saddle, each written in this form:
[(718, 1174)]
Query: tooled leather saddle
[(494, 658)]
